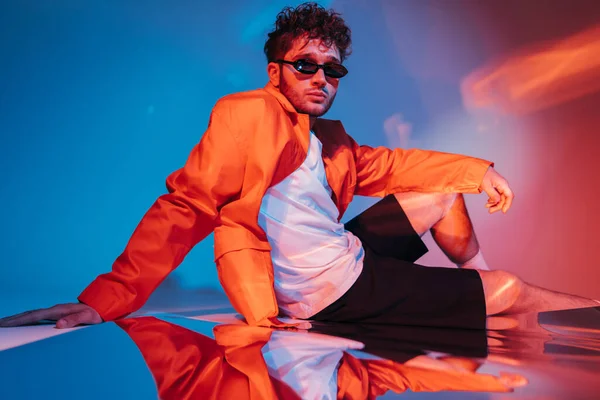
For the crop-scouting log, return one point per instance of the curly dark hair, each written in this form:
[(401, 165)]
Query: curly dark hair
[(310, 20)]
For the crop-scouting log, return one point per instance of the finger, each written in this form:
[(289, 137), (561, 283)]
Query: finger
[(296, 326), (305, 325), (30, 317), (507, 195), (511, 380), (493, 197), (12, 317), (492, 201), (509, 199), (496, 207), (493, 207), (502, 202), (72, 320), (490, 204)]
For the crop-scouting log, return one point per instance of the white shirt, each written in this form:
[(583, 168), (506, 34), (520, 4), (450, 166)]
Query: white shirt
[(315, 260), (307, 362)]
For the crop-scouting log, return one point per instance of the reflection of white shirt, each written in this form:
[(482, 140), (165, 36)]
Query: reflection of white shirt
[(315, 260), (307, 362)]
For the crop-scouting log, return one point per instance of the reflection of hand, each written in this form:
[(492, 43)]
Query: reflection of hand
[(274, 322), (496, 187), (67, 316), (511, 380)]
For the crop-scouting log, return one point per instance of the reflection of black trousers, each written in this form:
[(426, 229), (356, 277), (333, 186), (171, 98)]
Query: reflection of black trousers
[(402, 343), (391, 289)]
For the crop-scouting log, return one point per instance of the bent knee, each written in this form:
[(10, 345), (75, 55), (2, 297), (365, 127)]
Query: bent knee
[(424, 210), (420, 199), (447, 200), (501, 289)]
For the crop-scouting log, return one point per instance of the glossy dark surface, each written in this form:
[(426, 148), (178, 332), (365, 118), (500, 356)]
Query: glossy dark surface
[(206, 352)]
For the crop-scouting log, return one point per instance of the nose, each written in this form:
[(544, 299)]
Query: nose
[(319, 80)]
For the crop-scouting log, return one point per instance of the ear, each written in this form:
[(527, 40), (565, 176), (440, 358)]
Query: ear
[(274, 72)]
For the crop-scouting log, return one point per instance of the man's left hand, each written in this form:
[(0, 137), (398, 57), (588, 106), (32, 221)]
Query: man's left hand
[(496, 187)]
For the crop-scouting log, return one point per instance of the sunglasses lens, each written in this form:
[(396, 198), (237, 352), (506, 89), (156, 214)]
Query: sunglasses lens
[(331, 70), (335, 70), (306, 67)]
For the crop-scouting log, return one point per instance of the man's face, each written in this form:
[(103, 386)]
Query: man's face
[(311, 94)]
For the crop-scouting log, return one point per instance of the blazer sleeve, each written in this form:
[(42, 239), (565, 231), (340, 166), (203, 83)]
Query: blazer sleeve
[(176, 222), (382, 171), (369, 379)]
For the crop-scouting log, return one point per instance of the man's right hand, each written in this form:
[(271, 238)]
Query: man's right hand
[(66, 316)]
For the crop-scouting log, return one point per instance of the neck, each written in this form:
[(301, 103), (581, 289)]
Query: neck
[(312, 121)]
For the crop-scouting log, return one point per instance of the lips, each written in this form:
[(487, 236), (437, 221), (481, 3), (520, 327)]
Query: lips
[(320, 95)]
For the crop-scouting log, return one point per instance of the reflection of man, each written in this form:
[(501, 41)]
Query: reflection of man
[(252, 362), (272, 179)]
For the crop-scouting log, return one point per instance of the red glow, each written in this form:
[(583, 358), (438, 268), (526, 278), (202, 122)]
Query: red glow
[(535, 79)]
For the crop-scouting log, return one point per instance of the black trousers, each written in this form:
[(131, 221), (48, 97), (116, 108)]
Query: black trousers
[(393, 290)]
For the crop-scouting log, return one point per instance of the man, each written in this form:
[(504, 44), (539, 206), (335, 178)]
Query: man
[(272, 180)]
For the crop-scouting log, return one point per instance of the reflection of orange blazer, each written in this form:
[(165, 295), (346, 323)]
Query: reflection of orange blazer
[(188, 365), (254, 140)]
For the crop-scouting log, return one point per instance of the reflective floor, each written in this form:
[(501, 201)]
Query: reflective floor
[(202, 350)]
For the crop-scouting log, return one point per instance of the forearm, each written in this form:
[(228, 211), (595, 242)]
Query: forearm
[(381, 171)]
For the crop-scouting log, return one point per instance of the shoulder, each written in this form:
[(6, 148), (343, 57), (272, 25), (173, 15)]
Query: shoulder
[(246, 105), (246, 115)]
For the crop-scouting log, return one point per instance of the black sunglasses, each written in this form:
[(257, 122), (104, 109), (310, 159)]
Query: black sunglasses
[(332, 70)]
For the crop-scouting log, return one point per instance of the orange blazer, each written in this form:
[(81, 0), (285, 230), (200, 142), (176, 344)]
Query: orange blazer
[(254, 140)]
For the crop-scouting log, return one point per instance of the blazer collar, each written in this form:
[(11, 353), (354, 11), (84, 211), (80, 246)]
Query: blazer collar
[(287, 106), (285, 103)]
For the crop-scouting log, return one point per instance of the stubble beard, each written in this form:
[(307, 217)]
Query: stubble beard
[(299, 102)]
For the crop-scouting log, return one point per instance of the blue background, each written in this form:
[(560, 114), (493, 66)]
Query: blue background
[(101, 101)]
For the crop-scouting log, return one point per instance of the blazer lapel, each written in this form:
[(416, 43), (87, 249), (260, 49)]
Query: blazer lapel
[(335, 177)]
